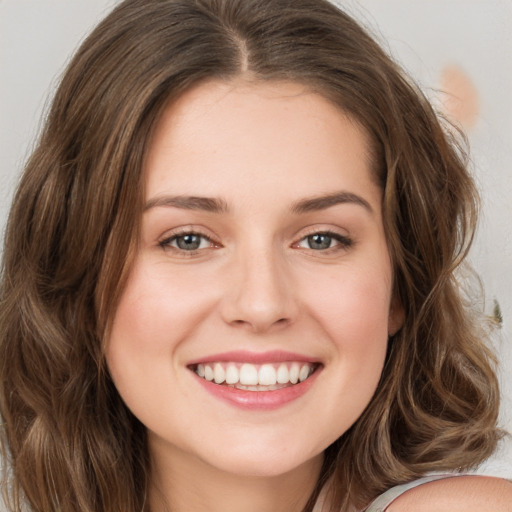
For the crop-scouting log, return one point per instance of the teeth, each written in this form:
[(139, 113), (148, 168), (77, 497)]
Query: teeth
[(248, 375), (208, 372), (255, 377), (267, 375), (294, 373), (219, 375), (232, 376), (303, 373), (283, 375)]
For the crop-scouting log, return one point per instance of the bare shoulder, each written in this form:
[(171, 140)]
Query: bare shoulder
[(464, 493)]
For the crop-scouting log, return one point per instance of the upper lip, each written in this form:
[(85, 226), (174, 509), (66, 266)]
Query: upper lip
[(242, 356)]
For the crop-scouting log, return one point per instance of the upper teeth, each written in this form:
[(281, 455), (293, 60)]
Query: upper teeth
[(252, 375)]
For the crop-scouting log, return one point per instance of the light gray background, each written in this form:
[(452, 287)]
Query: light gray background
[(37, 38)]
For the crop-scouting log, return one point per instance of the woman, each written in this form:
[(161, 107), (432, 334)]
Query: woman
[(229, 276)]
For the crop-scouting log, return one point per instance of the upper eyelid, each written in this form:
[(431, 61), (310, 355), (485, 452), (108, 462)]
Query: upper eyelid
[(178, 235), (314, 230), (343, 240), (165, 242), (319, 229), (187, 230)]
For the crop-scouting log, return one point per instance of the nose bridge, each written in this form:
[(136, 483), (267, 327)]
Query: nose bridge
[(262, 291)]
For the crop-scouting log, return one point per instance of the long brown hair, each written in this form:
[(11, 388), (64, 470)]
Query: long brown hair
[(71, 443)]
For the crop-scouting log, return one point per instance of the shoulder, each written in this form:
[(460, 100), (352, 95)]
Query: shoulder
[(464, 493)]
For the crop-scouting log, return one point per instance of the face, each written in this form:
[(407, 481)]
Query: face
[(253, 328)]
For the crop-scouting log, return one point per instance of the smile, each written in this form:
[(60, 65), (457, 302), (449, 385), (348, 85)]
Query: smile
[(256, 381), (255, 377)]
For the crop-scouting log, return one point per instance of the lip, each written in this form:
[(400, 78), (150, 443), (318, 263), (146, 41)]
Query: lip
[(238, 356), (257, 400)]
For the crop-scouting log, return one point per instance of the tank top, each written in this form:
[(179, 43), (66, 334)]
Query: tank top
[(383, 501)]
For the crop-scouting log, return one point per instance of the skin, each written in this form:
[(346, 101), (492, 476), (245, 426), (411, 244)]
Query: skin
[(254, 284), (461, 494)]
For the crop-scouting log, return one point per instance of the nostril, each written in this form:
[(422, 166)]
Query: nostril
[(259, 305), (261, 325)]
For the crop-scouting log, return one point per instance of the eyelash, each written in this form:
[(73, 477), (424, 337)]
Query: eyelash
[(343, 242), (166, 243)]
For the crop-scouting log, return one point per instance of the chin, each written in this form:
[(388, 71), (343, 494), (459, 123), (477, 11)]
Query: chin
[(264, 463)]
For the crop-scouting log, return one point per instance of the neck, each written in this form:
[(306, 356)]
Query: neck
[(183, 482)]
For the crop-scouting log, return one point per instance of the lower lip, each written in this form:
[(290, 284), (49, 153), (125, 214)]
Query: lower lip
[(259, 400)]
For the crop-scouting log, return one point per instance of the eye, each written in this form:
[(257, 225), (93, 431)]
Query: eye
[(324, 240), (187, 242)]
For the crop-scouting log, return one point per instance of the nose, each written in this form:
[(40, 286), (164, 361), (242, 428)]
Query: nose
[(260, 294)]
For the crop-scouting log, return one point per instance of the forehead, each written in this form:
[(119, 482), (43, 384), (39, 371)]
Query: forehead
[(218, 137)]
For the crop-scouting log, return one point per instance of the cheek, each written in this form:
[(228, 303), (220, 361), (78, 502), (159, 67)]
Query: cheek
[(154, 316), (352, 306), (354, 323), (157, 310), (354, 315)]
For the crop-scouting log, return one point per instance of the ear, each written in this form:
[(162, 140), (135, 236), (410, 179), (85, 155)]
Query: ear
[(396, 316)]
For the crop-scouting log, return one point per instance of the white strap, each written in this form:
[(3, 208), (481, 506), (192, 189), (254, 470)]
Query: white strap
[(384, 500)]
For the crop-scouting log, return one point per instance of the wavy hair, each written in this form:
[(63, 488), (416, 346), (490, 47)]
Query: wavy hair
[(71, 443)]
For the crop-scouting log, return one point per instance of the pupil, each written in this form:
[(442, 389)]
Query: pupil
[(189, 242), (319, 241)]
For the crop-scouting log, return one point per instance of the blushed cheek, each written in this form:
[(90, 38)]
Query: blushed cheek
[(158, 308), (356, 311)]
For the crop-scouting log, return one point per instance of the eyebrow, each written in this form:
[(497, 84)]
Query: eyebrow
[(208, 204), (218, 205), (326, 201)]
